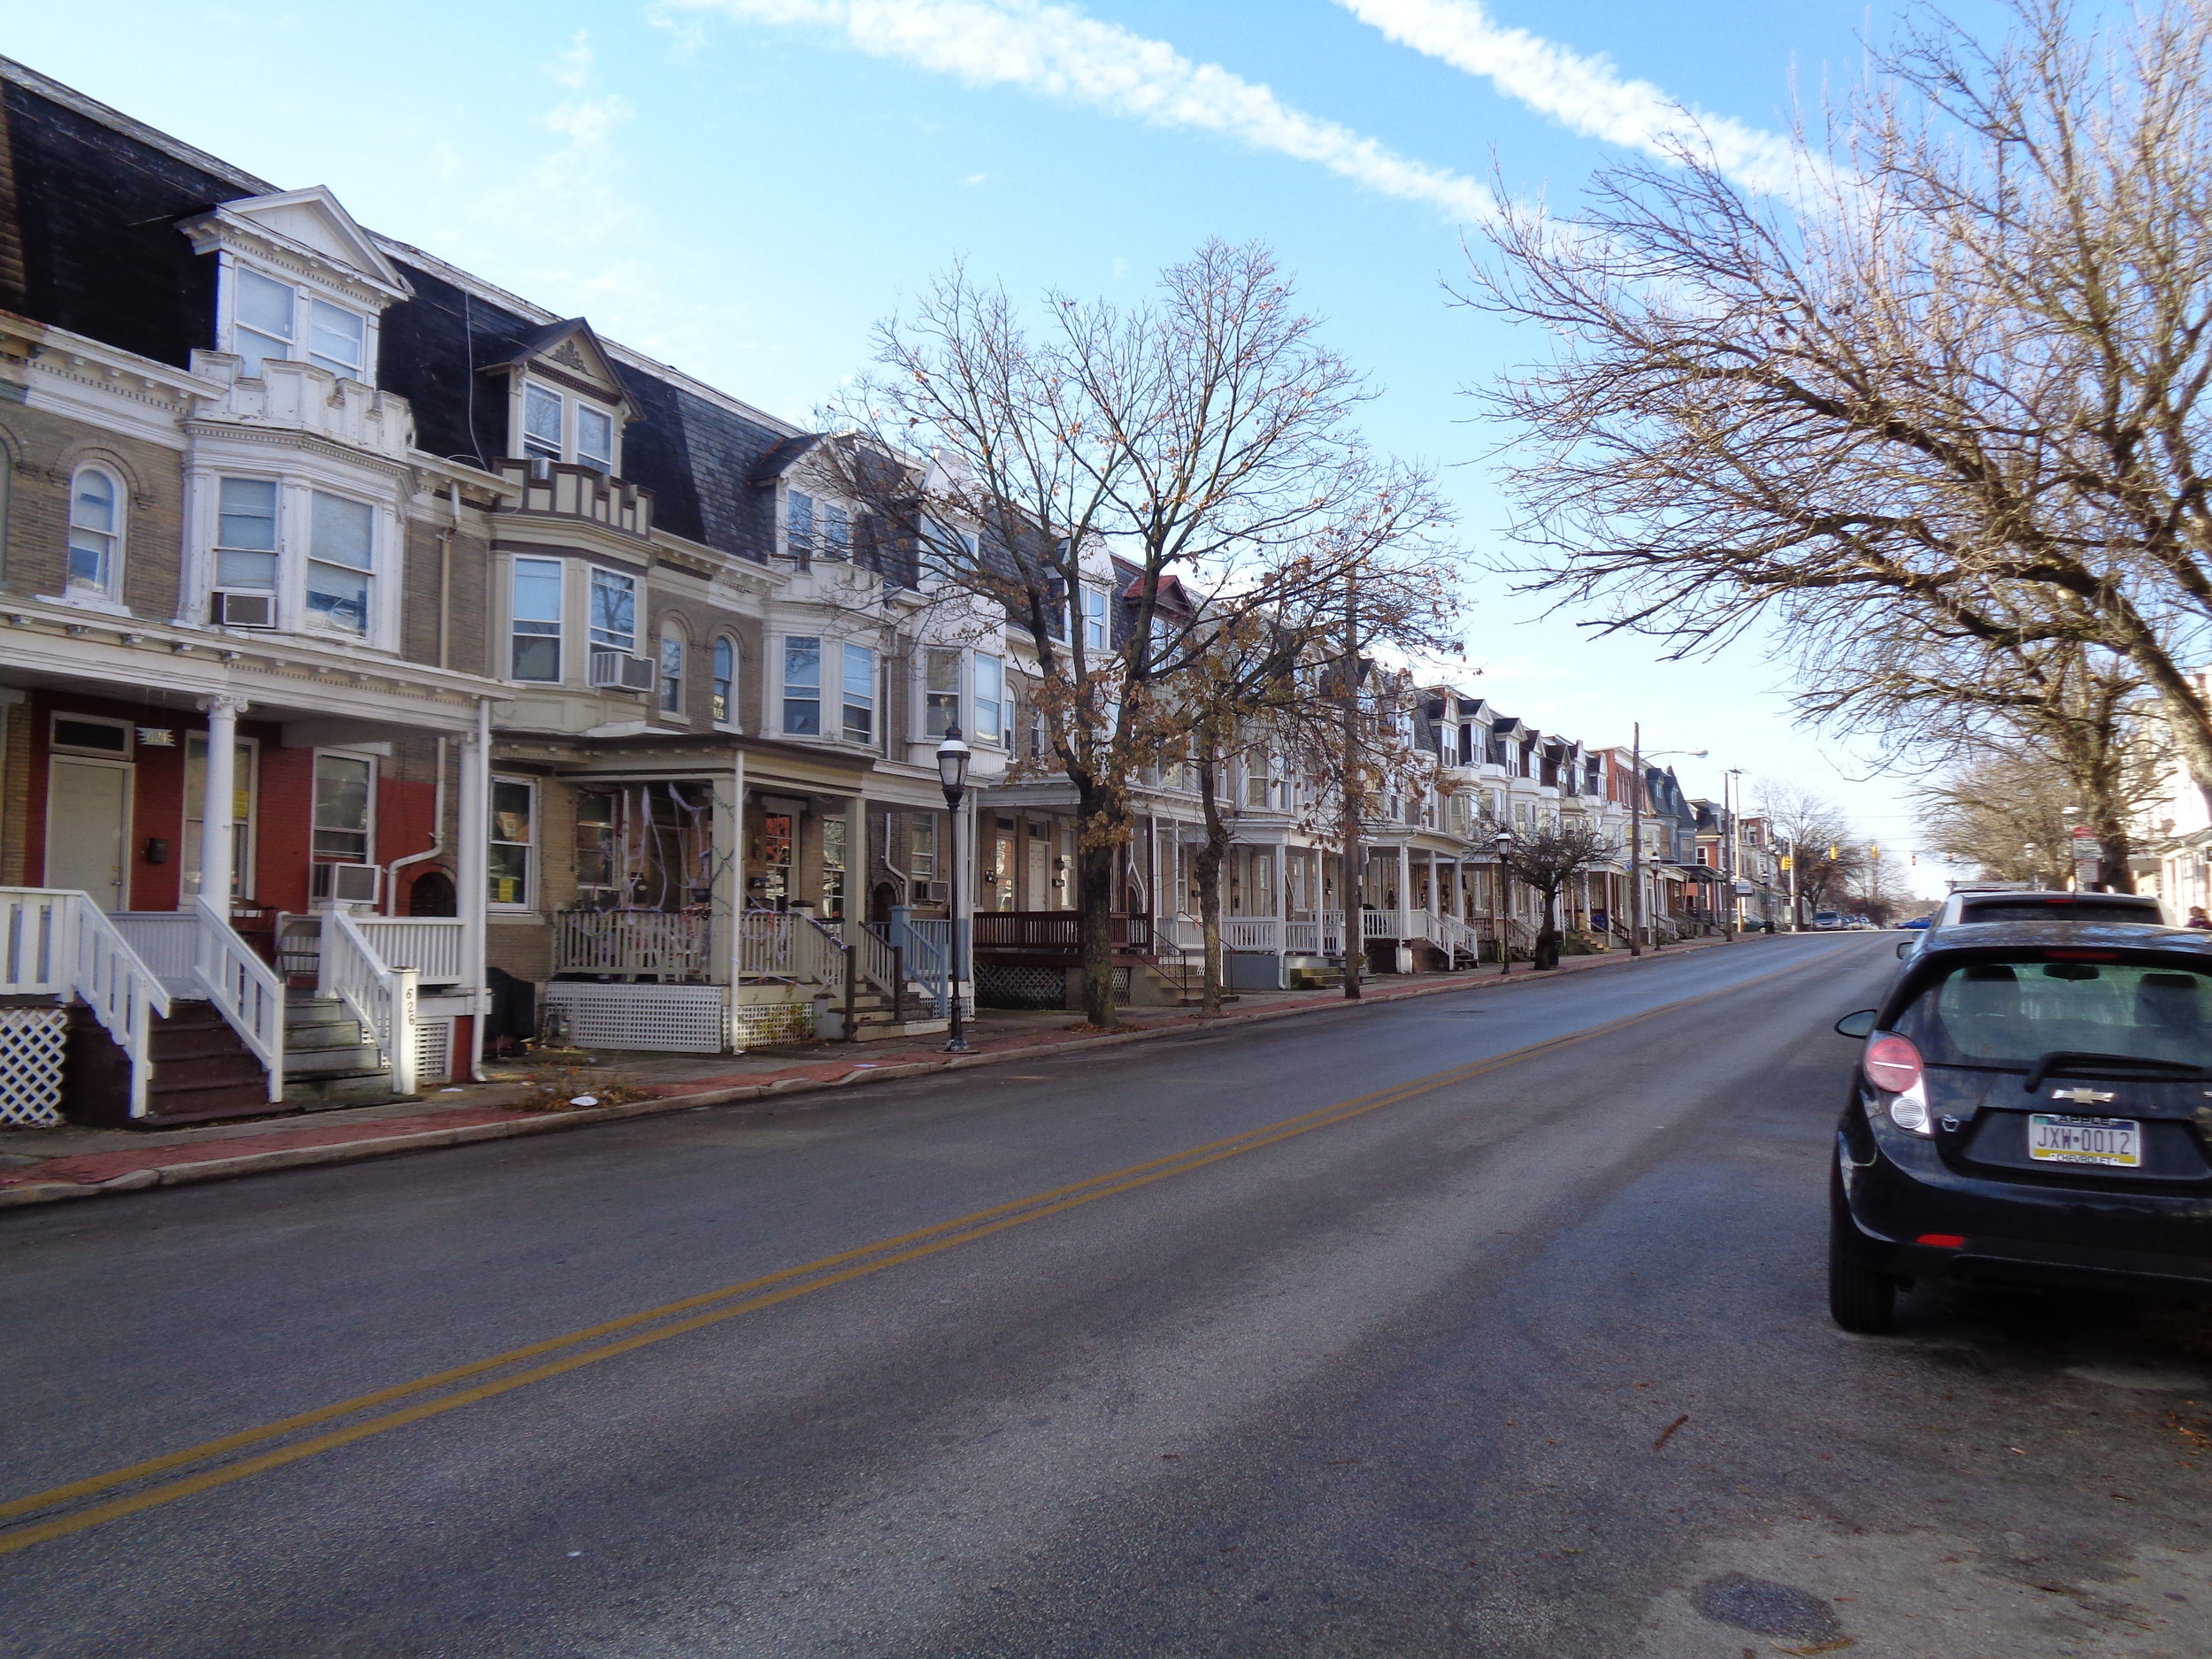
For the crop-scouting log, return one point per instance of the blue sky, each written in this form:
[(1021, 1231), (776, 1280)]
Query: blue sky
[(741, 187)]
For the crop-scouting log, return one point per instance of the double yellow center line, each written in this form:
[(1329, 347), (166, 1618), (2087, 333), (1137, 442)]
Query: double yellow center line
[(502, 1373)]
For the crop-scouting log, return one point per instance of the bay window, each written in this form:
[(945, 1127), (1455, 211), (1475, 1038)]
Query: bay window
[(341, 556), (802, 686), (990, 699), (535, 613), (613, 612), (940, 691), (246, 534), (860, 695)]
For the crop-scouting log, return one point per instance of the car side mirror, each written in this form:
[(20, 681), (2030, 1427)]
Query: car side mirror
[(1904, 947), (1858, 1025)]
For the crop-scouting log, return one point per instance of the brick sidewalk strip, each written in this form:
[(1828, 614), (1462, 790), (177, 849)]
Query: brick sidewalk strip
[(300, 1145)]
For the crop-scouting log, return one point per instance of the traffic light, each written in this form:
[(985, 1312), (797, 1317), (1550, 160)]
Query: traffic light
[(1786, 861), (1831, 849)]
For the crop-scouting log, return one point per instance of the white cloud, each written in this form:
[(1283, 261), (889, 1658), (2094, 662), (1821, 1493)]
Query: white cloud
[(1586, 94), (573, 67), (1059, 51)]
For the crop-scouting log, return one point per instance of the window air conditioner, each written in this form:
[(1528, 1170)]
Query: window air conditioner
[(347, 884), (245, 610), (620, 672), (932, 892)]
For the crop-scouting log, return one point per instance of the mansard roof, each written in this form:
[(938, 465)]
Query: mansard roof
[(569, 351)]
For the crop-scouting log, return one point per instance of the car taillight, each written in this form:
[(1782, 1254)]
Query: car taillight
[(1893, 1064)]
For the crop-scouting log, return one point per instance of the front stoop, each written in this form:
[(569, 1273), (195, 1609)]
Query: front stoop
[(203, 1072), (327, 1061)]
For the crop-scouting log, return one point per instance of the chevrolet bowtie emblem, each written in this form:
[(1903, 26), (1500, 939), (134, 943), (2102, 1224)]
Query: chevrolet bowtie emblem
[(2082, 1096)]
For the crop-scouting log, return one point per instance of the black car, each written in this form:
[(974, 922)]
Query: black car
[(2034, 1103)]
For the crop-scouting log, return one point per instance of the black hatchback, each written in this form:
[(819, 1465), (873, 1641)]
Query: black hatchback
[(2034, 1104)]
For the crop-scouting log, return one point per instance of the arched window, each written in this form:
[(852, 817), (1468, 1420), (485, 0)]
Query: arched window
[(671, 669), (96, 535), (725, 680)]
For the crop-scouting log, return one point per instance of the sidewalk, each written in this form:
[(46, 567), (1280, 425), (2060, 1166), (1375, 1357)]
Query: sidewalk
[(46, 1165)]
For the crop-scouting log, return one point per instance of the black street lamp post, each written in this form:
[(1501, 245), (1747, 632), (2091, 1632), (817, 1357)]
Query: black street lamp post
[(952, 772), (1502, 912)]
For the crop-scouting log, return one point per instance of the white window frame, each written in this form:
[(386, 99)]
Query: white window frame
[(988, 666), (558, 622), (532, 847), (1095, 620), (927, 691), (783, 687), (110, 591), (296, 493), (314, 825), (571, 405), (305, 296), (592, 630), (874, 706)]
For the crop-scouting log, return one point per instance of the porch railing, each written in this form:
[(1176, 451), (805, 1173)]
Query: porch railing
[(382, 997), (668, 945), (167, 942), (56, 941), (1058, 934), (244, 990), (431, 945), (926, 948)]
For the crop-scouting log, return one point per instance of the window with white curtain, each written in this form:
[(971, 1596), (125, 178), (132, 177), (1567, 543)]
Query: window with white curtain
[(270, 318), (340, 563)]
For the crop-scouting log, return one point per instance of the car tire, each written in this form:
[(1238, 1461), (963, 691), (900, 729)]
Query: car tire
[(1860, 1300)]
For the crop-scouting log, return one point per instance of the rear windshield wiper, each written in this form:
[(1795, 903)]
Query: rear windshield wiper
[(2067, 1059)]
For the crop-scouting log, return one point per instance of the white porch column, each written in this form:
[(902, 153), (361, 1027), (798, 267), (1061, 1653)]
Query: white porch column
[(216, 800), (471, 866), (1405, 884), (735, 865)]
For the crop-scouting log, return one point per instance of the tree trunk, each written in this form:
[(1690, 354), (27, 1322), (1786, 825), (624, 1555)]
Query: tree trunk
[(1207, 868), (2114, 873), (1095, 854), (1547, 954)]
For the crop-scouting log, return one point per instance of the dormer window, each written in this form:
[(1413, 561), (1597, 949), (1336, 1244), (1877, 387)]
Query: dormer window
[(273, 319), (563, 426)]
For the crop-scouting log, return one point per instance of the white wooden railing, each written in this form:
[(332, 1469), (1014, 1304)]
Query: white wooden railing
[(668, 944), (431, 945), (382, 998), (56, 941), (167, 942), (788, 946), (1324, 936), (244, 989)]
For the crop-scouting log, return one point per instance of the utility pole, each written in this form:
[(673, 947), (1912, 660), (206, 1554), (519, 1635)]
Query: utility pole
[(1790, 859), (1636, 843), (1728, 857), (1355, 938)]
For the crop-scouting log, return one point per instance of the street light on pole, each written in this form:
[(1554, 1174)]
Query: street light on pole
[(952, 772), (1635, 835), (1728, 850), (1499, 908)]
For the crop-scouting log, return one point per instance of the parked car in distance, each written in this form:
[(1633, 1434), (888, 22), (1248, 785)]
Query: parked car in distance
[(1972, 908), (1825, 921), (2030, 1105), (1916, 922)]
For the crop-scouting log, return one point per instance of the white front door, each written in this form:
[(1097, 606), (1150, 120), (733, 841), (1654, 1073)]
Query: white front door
[(87, 827)]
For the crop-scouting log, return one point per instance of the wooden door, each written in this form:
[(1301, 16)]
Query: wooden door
[(87, 827)]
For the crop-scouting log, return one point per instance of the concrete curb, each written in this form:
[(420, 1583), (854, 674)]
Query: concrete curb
[(428, 1139)]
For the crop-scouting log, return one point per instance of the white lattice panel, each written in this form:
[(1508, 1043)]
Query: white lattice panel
[(666, 1019), (756, 1024), (31, 1047), (434, 1051)]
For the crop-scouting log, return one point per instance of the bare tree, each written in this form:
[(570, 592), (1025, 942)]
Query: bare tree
[(1193, 436), (2080, 714), (2002, 811), (1968, 357), (1546, 859), (1825, 855)]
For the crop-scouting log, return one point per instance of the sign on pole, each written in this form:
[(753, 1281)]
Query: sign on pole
[(2088, 857)]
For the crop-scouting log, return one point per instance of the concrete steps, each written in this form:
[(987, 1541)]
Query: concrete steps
[(328, 1059)]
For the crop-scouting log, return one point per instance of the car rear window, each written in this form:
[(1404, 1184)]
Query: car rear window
[(2136, 910), (2010, 1013)]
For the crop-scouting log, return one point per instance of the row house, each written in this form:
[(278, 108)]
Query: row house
[(370, 636), (389, 663)]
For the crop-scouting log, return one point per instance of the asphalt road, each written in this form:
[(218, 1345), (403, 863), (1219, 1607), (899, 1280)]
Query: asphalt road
[(1438, 1346)]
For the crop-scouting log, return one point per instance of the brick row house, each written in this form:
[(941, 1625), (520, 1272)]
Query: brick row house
[(389, 665)]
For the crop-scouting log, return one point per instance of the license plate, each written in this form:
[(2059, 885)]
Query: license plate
[(2058, 1138)]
